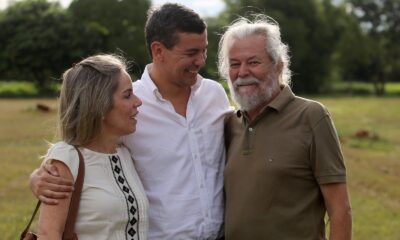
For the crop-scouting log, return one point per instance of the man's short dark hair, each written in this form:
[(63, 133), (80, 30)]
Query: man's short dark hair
[(165, 22)]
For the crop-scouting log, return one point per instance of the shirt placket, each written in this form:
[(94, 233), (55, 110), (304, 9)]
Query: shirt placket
[(194, 143), (248, 137)]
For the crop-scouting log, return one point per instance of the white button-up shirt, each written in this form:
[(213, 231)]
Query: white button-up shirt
[(181, 160)]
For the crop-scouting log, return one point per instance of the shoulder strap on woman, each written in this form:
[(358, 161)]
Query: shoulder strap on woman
[(69, 232)]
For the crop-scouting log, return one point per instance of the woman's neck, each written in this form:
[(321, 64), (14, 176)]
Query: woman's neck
[(103, 144)]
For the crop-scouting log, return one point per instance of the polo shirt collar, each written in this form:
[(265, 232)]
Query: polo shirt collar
[(282, 100), (148, 82), (278, 104)]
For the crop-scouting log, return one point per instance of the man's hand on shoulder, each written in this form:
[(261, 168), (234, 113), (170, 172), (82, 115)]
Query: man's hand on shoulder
[(48, 186)]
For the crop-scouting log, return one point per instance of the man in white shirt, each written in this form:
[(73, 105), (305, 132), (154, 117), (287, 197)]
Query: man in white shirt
[(178, 147)]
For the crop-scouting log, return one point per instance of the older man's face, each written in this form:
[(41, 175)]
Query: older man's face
[(253, 78)]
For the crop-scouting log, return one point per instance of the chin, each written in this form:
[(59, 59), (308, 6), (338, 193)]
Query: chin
[(132, 130), (128, 131), (192, 78)]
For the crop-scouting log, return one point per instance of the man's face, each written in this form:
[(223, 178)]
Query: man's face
[(253, 79), (184, 60)]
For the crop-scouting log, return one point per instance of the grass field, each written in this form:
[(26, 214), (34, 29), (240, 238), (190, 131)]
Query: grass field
[(373, 162), (363, 88)]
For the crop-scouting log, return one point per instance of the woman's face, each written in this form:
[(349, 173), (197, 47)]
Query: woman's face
[(121, 119)]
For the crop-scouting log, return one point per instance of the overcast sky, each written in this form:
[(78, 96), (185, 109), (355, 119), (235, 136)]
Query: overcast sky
[(203, 7)]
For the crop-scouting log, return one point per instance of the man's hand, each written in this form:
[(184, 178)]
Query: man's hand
[(48, 186)]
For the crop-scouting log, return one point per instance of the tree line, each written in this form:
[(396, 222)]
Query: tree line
[(348, 40)]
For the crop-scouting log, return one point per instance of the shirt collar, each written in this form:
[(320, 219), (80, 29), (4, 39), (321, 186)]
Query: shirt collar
[(282, 100), (148, 82)]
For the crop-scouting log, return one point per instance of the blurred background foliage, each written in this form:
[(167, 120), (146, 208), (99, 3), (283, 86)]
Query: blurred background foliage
[(331, 42)]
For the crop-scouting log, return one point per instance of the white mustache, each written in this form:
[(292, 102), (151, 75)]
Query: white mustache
[(245, 81)]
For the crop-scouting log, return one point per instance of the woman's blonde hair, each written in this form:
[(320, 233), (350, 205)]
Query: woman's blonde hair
[(86, 95)]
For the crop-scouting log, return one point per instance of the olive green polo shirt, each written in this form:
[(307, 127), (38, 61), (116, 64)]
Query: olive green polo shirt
[(274, 168)]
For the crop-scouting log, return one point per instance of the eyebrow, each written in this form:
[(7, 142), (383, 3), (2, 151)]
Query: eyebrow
[(192, 50), (195, 49), (127, 90)]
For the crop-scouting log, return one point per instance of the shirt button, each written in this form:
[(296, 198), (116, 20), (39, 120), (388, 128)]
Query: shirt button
[(250, 129)]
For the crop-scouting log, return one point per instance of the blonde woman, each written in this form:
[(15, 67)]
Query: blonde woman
[(97, 107)]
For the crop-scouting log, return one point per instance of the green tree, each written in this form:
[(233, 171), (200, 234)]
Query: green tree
[(351, 51), (39, 41), (214, 30), (122, 22), (310, 30), (380, 21)]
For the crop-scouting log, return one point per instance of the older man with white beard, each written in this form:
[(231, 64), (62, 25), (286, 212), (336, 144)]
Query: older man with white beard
[(285, 168)]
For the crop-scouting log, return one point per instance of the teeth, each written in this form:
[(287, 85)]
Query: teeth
[(243, 85)]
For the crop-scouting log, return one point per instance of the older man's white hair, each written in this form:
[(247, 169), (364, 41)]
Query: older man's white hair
[(264, 26)]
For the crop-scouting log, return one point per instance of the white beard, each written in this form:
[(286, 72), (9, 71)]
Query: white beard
[(264, 92)]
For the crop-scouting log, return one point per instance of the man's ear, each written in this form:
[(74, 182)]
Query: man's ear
[(279, 69), (157, 51)]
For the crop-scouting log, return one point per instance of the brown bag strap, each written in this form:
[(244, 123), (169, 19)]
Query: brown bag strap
[(69, 232), (26, 230), (75, 199)]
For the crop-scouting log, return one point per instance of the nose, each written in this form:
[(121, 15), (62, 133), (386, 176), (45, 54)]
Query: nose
[(136, 101), (243, 71), (201, 59)]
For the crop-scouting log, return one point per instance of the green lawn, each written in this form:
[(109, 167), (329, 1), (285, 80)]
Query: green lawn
[(24, 132), (17, 89), (373, 162), (363, 88), (23, 89)]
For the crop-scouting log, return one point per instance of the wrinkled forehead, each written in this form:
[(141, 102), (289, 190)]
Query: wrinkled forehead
[(243, 38)]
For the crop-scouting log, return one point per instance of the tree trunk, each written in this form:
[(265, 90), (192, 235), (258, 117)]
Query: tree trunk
[(379, 84)]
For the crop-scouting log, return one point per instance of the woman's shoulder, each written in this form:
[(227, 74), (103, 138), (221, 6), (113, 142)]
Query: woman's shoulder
[(66, 153), (61, 149), (60, 146)]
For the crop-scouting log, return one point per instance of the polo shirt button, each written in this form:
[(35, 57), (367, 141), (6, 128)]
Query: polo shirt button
[(250, 129), (270, 159)]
